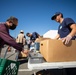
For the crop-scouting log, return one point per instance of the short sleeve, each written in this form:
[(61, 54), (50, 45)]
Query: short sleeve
[(69, 21)]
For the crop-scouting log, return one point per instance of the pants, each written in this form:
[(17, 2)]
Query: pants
[(71, 71), (28, 46)]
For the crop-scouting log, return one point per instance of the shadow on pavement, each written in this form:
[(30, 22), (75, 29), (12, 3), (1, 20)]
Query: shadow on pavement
[(51, 72), (23, 60)]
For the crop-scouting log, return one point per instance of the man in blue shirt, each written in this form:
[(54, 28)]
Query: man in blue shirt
[(66, 32), (33, 36), (66, 29)]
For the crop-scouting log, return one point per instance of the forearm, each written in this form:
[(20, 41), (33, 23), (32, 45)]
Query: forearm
[(73, 30), (15, 45), (57, 36), (72, 33), (10, 41)]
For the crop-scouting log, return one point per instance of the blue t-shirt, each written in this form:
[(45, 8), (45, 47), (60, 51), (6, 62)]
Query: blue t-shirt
[(64, 28), (34, 36)]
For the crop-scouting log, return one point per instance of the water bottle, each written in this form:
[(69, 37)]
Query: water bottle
[(37, 46)]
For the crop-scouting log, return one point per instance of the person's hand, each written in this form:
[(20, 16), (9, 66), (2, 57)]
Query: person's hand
[(25, 51), (66, 39)]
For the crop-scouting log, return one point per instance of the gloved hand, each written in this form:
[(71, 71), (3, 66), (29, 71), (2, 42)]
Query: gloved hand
[(66, 39)]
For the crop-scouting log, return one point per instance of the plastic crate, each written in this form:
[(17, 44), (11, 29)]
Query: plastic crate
[(8, 67)]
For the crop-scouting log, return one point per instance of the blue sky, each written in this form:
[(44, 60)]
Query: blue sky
[(35, 15)]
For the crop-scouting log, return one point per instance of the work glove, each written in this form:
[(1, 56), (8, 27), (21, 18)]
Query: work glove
[(66, 39)]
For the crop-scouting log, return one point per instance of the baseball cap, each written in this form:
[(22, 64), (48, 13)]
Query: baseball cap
[(27, 34), (54, 16), (21, 31)]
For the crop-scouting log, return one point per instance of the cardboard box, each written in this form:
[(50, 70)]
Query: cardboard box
[(40, 39), (55, 51), (37, 43)]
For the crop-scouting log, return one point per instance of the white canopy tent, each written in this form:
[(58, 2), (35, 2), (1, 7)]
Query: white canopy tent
[(50, 34)]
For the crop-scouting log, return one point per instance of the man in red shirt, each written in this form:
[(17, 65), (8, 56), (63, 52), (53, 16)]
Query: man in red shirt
[(5, 38)]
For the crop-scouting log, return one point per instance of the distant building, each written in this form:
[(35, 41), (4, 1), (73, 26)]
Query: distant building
[(50, 34)]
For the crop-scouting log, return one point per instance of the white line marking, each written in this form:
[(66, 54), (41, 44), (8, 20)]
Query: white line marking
[(25, 70)]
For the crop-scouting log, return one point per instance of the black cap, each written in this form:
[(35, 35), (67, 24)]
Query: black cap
[(54, 16), (27, 34)]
